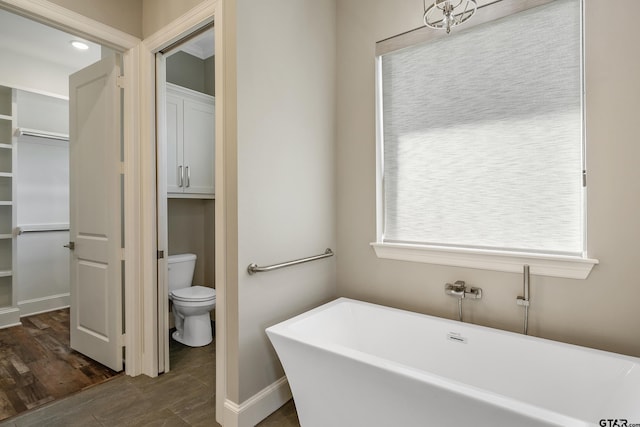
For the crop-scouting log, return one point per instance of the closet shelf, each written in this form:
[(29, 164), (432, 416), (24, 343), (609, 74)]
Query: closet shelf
[(5, 236), (5, 117), (6, 273), (6, 174), (6, 203), (8, 146)]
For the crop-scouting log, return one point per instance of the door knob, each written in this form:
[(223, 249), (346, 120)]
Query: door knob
[(70, 245)]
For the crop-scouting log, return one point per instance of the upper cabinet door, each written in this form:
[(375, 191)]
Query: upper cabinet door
[(199, 160), (175, 167)]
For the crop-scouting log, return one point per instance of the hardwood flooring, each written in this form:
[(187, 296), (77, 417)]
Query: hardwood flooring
[(38, 366), (185, 396)]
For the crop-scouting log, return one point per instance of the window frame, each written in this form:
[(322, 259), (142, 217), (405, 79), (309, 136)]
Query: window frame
[(565, 266)]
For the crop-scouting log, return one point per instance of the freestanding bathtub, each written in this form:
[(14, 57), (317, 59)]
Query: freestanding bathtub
[(351, 363)]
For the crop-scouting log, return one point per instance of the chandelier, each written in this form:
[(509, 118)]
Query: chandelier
[(444, 14)]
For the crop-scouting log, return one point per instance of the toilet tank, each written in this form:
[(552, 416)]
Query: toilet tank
[(181, 268)]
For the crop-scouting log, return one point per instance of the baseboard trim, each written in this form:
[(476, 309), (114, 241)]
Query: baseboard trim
[(9, 317), (44, 304), (258, 407)]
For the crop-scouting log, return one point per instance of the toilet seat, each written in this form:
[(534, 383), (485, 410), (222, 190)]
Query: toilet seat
[(193, 294)]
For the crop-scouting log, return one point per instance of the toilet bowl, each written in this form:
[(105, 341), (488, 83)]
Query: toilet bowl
[(191, 304)]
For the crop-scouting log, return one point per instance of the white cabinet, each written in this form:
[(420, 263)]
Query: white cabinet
[(190, 143)]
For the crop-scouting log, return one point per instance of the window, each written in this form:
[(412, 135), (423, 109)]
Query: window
[(481, 135)]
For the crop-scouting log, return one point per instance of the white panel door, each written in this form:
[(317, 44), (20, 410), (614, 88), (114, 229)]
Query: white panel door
[(95, 212), (175, 162), (199, 147)]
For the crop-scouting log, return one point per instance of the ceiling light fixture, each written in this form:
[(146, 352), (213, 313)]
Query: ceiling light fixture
[(444, 14), (79, 45)]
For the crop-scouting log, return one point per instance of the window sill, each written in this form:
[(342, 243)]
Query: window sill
[(543, 265)]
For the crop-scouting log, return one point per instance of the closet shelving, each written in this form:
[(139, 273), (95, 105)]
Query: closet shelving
[(8, 312)]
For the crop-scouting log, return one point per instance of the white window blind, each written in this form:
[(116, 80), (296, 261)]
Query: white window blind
[(482, 136)]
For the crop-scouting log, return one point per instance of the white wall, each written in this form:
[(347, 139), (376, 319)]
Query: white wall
[(286, 210), (42, 275), (25, 72), (600, 312), (42, 196)]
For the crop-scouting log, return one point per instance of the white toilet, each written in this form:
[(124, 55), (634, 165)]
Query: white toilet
[(191, 304)]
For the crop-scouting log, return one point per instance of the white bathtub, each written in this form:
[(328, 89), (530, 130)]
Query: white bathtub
[(351, 363)]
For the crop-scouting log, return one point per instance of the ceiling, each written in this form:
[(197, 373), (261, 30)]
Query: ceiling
[(30, 38), (201, 46), (36, 40)]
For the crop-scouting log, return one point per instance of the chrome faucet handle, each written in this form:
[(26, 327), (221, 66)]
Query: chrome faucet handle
[(473, 293), (458, 289)]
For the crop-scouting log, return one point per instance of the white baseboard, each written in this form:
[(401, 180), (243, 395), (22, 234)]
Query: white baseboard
[(44, 304), (258, 407), (9, 316)]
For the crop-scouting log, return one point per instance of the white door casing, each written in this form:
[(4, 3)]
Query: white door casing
[(96, 212), (167, 110)]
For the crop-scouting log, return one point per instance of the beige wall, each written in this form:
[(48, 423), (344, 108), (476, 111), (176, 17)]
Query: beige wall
[(158, 13), (209, 243), (210, 75), (140, 18), (190, 226), (286, 199), (191, 72), (600, 312), (124, 15)]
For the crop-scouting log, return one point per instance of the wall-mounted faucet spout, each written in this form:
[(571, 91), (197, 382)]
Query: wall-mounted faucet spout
[(524, 300), (460, 291)]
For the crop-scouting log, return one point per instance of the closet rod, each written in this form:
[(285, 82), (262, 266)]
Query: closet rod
[(41, 227), (42, 134)]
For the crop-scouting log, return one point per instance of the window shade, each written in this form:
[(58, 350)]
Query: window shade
[(482, 136)]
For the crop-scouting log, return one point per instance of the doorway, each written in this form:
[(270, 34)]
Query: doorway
[(185, 103), (37, 63), (140, 205)]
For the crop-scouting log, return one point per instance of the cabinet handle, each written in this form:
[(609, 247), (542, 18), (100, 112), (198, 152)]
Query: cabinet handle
[(188, 176), (180, 176)]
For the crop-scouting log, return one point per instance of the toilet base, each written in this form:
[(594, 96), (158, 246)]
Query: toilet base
[(195, 331)]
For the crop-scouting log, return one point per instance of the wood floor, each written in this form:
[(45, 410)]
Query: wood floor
[(185, 396), (37, 366)]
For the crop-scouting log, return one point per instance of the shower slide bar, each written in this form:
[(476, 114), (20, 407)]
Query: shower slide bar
[(31, 228), (254, 268), (42, 134)]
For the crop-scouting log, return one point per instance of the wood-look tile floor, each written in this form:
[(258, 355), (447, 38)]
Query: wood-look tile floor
[(38, 366), (185, 396)]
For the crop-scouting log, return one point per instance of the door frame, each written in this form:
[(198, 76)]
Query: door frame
[(225, 117), (130, 47), (141, 294)]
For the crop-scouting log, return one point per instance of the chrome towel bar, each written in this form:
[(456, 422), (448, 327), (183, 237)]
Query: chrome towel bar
[(254, 268)]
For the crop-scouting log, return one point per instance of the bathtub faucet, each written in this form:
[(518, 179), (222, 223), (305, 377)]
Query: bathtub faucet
[(459, 290)]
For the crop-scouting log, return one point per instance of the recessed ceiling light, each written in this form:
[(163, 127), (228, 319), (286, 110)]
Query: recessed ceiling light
[(79, 45)]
